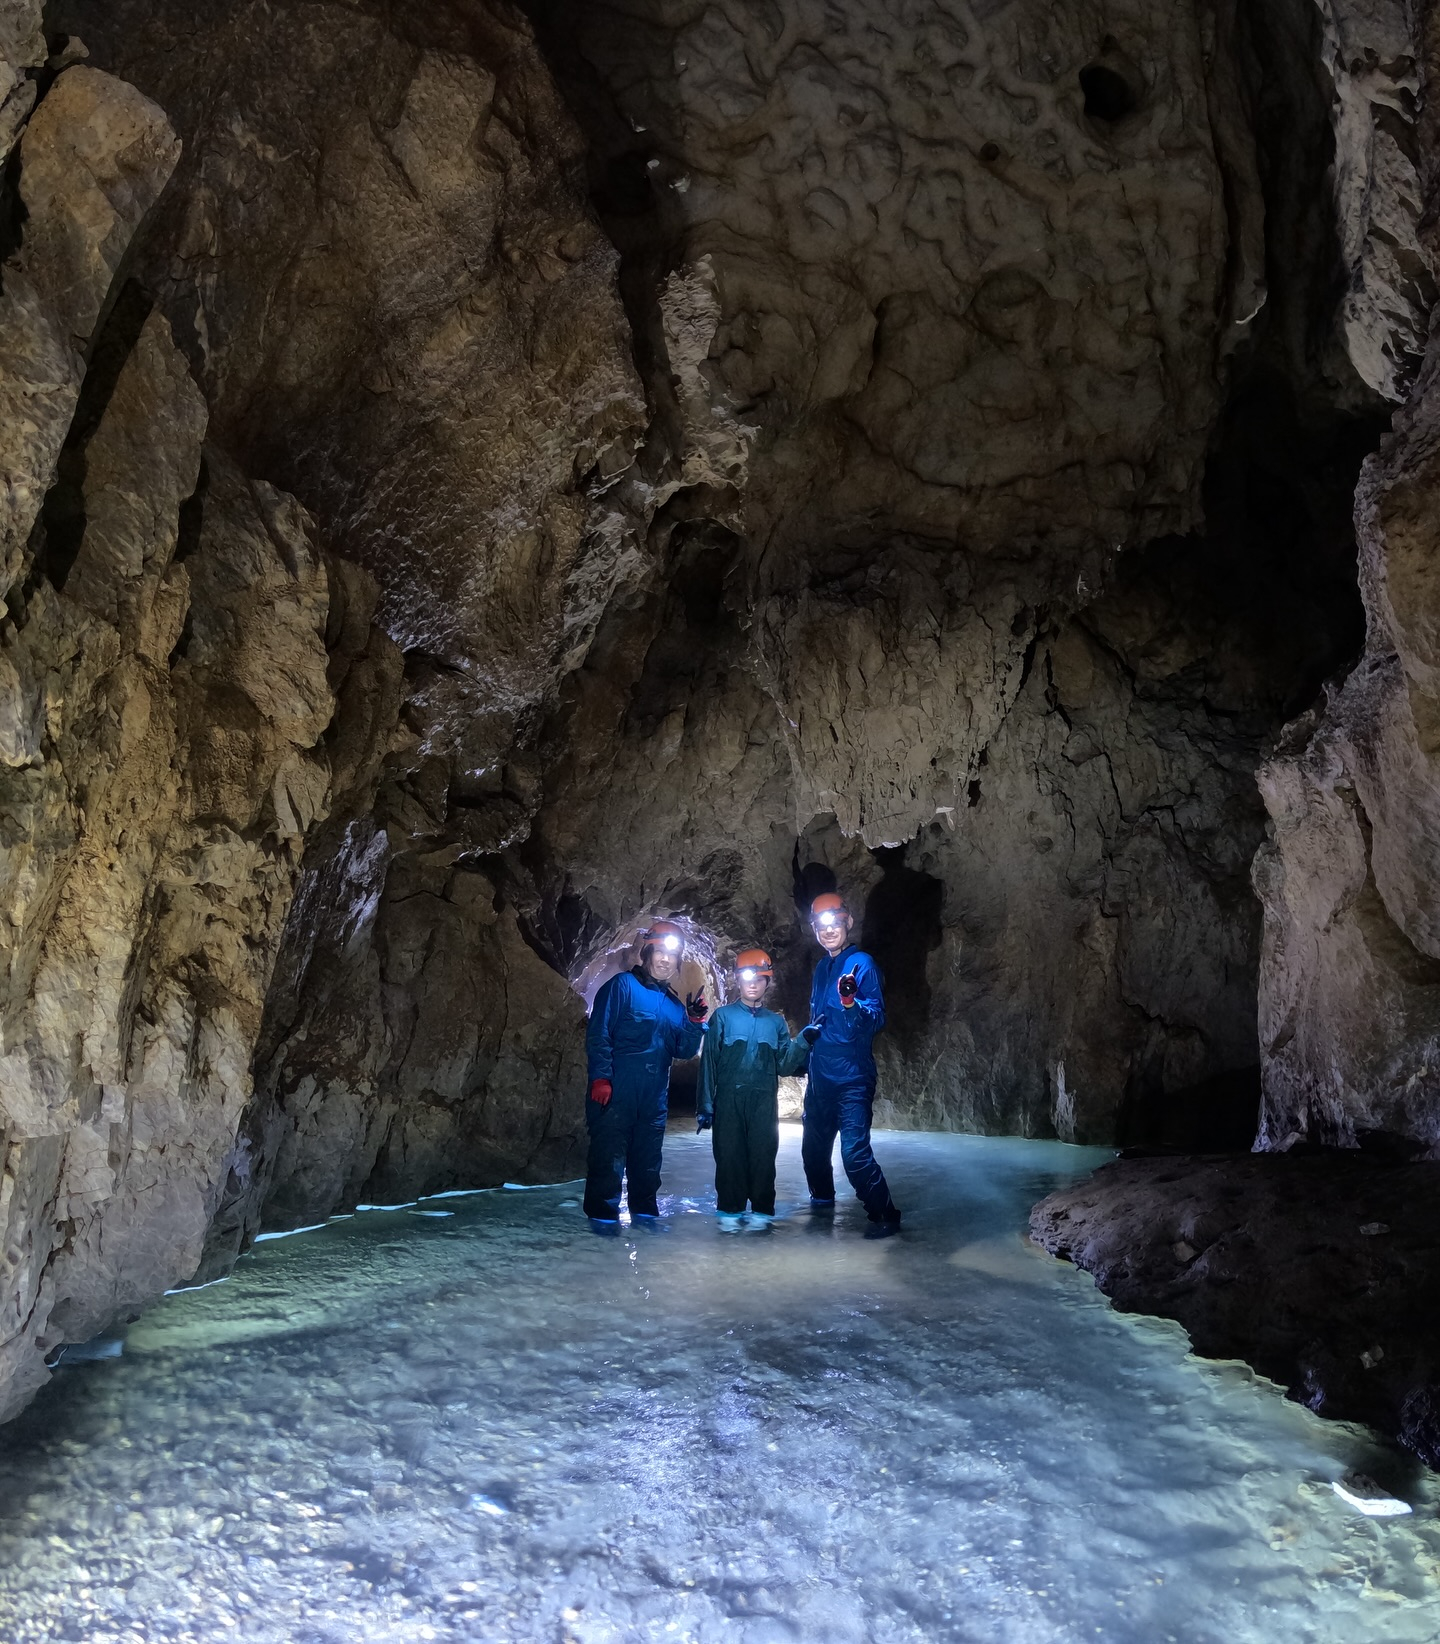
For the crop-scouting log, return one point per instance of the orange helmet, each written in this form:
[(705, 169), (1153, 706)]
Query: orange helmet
[(753, 962), (827, 908), (667, 933)]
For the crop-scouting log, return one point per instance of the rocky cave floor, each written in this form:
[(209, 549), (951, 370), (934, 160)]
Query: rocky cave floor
[(470, 1418), (1321, 1269)]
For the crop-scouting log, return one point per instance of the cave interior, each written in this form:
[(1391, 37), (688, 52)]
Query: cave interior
[(481, 477)]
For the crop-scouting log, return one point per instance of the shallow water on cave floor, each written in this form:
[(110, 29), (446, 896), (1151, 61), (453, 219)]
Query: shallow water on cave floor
[(474, 1419)]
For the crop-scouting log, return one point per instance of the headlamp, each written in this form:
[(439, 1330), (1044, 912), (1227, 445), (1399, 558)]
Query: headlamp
[(747, 975), (672, 944), (827, 918)]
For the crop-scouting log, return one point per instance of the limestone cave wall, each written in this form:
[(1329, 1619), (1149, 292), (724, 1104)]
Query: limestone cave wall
[(476, 475)]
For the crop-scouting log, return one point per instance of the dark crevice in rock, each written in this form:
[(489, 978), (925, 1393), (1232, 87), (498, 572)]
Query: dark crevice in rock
[(901, 928), (192, 516), (1219, 1114), (62, 515), (1109, 95)]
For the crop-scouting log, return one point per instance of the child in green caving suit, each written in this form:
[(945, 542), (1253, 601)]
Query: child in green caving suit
[(747, 1051)]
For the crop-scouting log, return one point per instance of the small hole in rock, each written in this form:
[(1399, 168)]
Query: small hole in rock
[(990, 153), (1109, 96)]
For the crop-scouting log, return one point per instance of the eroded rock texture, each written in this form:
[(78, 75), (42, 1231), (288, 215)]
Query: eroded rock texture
[(398, 303), (910, 473), (872, 253), (1350, 978), (167, 677)]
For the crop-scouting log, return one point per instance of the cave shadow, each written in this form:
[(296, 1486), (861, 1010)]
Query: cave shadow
[(1220, 1114), (900, 929)]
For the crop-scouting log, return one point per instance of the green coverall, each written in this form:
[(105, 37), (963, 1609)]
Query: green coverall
[(747, 1049)]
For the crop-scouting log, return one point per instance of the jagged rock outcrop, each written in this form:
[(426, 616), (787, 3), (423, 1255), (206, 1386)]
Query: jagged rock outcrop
[(169, 657), (888, 227), (1071, 949), (962, 667), (1350, 976), (1374, 53), (399, 306), (896, 341), (1350, 982), (905, 387)]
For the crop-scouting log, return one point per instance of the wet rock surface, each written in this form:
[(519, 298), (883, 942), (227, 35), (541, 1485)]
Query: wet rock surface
[(1320, 1269)]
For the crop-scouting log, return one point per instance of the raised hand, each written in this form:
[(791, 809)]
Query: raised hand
[(695, 1007), (847, 987)]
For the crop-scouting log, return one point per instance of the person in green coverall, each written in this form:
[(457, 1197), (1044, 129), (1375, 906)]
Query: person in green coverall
[(747, 1050)]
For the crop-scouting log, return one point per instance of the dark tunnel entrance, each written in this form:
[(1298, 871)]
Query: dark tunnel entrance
[(900, 930)]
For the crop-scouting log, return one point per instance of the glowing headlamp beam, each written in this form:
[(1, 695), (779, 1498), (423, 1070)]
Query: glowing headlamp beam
[(747, 975), (672, 944), (827, 918)]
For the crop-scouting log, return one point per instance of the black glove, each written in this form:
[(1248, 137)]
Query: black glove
[(847, 987), (810, 1033), (703, 1121), (696, 1008)]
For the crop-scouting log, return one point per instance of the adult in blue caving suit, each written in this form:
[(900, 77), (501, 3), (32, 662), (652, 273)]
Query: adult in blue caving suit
[(847, 1000), (637, 1027)]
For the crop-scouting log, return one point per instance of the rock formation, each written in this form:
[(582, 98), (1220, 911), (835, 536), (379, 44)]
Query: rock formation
[(168, 700), (477, 476), (397, 303), (981, 667), (1318, 1268), (1350, 974)]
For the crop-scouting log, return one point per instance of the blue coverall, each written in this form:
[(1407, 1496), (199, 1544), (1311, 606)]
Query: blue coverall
[(636, 1029), (841, 1093)]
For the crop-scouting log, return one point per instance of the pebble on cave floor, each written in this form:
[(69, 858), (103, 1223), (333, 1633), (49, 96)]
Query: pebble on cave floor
[(495, 1426)]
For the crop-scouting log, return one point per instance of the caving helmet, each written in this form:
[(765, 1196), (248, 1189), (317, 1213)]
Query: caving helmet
[(828, 909), (753, 962), (663, 933)]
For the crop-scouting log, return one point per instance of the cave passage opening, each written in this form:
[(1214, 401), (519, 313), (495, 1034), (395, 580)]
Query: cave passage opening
[(702, 970), (470, 1418)]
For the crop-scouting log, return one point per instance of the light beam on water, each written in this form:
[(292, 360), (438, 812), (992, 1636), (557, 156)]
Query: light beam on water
[(496, 1426)]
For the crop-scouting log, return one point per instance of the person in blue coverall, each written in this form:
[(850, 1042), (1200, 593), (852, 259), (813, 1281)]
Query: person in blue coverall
[(637, 1027), (847, 1000)]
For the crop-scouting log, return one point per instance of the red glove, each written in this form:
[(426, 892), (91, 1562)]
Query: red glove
[(600, 1091), (847, 987), (695, 1007)]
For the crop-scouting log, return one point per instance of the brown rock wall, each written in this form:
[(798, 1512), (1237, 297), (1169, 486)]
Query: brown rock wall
[(399, 306), (170, 678), (1349, 984), (891, 224)]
